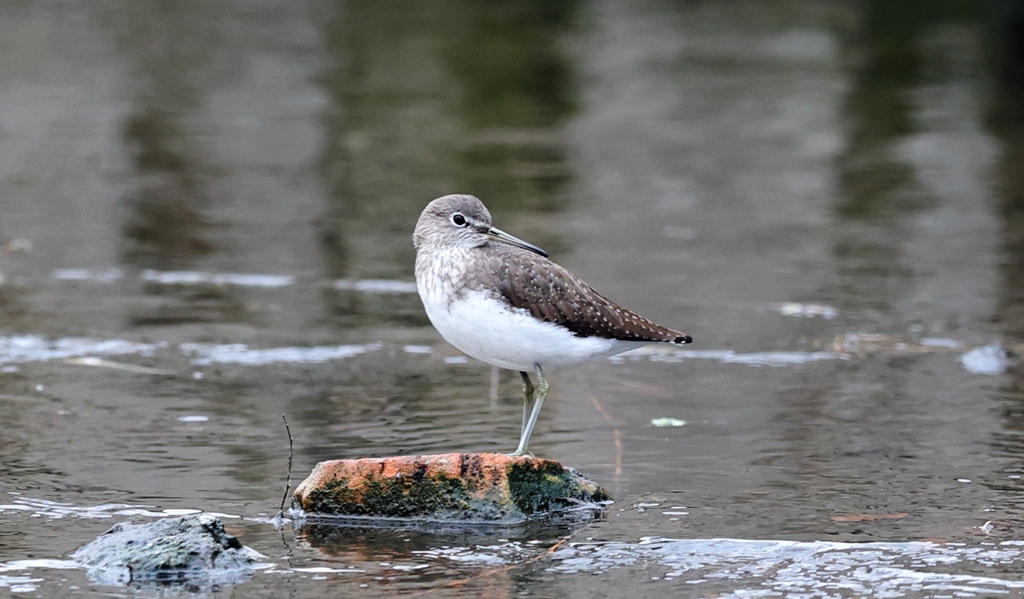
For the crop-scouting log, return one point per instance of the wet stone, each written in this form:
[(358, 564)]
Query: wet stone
[(456, 487), (192, 550)]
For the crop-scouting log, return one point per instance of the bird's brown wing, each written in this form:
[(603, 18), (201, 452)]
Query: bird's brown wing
[(552, 293)]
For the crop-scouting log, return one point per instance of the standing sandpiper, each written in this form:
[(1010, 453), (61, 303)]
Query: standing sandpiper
[(500, 300)]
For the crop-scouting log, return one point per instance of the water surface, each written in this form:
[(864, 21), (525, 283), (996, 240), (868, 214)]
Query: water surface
[(219, 198)]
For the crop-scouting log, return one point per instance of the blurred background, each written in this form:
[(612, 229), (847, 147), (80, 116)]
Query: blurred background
[(208, 209)]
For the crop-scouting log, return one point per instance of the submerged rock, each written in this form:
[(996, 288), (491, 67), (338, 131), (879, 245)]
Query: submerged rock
[(486, 487), (192, 549)]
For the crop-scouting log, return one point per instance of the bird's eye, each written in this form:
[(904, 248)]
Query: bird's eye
[(458, 220)]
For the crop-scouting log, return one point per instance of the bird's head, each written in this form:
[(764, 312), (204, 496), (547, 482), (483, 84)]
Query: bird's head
[(461, 221)]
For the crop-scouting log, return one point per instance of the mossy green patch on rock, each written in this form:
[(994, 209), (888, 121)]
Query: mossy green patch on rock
[(447, 487), (545, 486), (395, 498)]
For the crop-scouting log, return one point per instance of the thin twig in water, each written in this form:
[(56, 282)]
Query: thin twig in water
[(616, 432), (288, 476)]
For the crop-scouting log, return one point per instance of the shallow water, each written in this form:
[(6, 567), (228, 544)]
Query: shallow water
[(219, 199)]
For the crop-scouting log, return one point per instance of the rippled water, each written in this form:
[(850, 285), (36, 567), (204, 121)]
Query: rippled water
[(205, 221), (810, 569)]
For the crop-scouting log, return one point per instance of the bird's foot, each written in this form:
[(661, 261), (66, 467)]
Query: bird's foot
[(520, 453)]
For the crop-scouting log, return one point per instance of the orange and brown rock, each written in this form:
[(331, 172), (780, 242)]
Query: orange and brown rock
[(452, 486)]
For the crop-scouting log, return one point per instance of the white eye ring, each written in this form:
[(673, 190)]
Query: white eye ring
[(458, 220)]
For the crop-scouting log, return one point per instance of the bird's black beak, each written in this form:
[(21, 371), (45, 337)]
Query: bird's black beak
[(496, 234)]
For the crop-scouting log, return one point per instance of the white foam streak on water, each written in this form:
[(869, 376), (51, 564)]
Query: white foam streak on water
[(82, 350), (195, 277), (779, 358), (43, 508), (108, 275), (100, 363), (29, 584), (174, 277), (326, 570), (237, 353), (783, 358), (28, 564), (808, 310), (382, 286), (192, 277), (943, 342), (33, 348)]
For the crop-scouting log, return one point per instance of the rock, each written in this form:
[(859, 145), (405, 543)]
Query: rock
[(486, 487), (193, 549)]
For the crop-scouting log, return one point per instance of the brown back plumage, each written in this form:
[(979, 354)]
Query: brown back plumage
[(553, 294)]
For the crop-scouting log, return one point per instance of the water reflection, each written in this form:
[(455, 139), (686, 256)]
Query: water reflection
[(463, 561), (165, 224), (427, 101), (876, 182)]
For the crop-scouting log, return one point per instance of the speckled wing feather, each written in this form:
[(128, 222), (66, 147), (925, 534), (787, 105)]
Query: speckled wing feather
[(552, 293)]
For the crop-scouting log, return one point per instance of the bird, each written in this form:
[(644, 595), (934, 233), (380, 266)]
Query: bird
[(501, 300)]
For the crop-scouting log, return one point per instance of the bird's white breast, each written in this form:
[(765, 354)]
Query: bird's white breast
[(487, 328)]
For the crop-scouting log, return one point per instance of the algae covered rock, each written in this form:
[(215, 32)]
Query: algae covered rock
[(193, 550), (485, 487)]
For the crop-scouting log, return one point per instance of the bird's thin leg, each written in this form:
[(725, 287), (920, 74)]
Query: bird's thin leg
[(539, 396), (527, 400)]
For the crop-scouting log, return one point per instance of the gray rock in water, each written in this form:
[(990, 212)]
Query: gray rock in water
[(193, 550)]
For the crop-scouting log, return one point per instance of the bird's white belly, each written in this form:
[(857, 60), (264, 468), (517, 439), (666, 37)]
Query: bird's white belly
[(498, 334)]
